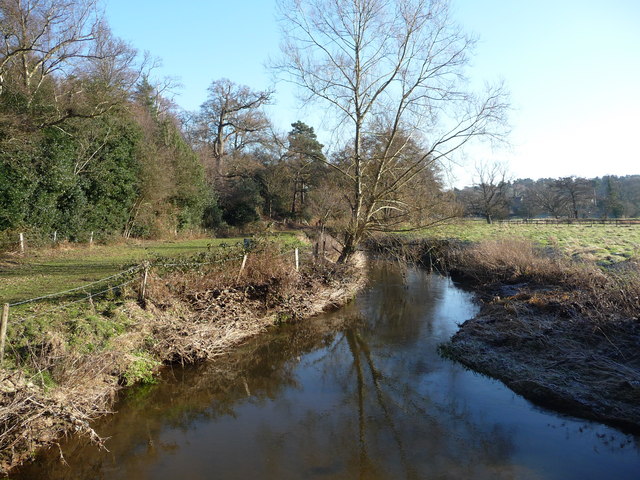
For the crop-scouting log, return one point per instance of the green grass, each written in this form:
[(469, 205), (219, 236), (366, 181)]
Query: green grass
[(50, 270), (603, 244)]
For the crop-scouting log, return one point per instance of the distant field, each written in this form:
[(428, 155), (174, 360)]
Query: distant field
[(604, 244), (50, 270)]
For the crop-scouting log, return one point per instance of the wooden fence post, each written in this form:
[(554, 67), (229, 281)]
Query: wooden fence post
[(55, 237), (3, 329), (91, 239), (244, 262), (22, 243), (143, 284), (297, 261)]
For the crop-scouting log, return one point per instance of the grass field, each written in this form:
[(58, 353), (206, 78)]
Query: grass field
[(604, 244), (49, 270)]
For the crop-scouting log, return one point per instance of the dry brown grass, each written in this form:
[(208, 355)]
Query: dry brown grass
[(596, 293), (222, 306), (508, 260)]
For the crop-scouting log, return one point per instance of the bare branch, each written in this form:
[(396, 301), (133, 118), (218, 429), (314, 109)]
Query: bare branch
[(395, 70)]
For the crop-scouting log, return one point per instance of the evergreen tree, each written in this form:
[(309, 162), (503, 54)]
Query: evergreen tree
[(306, 165), (612, 205)]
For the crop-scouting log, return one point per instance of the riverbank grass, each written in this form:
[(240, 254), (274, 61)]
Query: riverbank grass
[(602, 244), (64, 363)]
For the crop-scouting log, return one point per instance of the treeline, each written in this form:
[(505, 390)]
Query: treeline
[(495, 197), (90, 143)]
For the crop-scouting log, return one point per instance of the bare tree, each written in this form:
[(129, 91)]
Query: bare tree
[(550, 198), (490, 191), (577, 191), (386, 66), (62, 53), (113, 63), (230, 119), (40, 37)]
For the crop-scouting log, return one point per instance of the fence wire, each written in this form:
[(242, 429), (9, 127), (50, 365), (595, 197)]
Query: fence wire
[(89, 296), (76, 289), (132, 271)]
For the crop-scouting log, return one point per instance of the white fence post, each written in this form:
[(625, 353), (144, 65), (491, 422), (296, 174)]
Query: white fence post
[(142, 293), (297, 261), (22, 243), (3, 329), (244, 262)]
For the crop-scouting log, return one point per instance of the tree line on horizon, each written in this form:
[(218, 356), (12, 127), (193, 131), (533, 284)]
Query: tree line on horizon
[(494, 197)]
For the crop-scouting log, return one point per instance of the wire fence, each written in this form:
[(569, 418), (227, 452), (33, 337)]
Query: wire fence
[(88, 297), (114, 284), (20, 242), (83, 288)]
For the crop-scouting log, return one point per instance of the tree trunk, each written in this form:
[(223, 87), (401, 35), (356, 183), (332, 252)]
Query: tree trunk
[(348, 249)]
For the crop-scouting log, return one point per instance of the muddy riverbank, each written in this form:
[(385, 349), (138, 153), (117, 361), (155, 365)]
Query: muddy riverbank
[(529, 339), (562, 334)]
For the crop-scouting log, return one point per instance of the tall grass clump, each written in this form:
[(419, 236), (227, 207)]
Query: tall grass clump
[(596, 292)]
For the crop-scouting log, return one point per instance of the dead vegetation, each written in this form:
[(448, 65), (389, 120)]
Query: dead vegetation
[(68, 369), (562, 333), (602, 295)]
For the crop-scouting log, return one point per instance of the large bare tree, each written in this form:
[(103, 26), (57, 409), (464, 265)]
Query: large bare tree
[(59, 60), (230, 119), (390, 66)]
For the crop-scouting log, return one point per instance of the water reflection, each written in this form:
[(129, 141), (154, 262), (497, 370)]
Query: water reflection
[(360, 393)]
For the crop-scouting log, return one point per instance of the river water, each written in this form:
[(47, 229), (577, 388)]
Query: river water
[(360, 393)]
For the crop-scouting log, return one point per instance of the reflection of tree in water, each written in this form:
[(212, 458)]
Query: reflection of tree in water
[(399, 299), (363, 403), (381, 429), (382, 425)]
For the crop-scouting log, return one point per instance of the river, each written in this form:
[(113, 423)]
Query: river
[(360, 393)]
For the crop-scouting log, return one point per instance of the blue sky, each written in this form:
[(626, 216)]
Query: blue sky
[(572, 67)]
